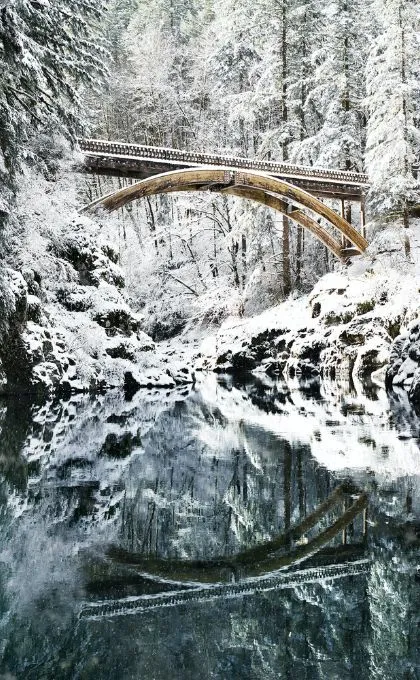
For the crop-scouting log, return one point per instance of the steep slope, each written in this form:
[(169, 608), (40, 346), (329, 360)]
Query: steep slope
[(355, 323), (68, 324)]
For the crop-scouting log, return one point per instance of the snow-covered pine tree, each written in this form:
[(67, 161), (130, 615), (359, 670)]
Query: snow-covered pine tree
[(48, 51), (117, 18), (158, 43), (337, 88), (393, 104), (112, 114), (303, 20), (303, 44), (230, 58), (288, 115)]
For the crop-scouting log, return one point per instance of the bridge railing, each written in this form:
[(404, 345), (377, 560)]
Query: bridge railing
[(104, 147), (143, 603)]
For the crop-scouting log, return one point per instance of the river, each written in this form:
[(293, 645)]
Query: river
[(121, 515)]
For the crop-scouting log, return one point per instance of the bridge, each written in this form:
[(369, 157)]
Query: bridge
[(270, 566), (297, 192), (142, 603)]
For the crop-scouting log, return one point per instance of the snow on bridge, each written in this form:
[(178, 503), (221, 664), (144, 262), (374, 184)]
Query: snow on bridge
[(290, 189), (140, 161)]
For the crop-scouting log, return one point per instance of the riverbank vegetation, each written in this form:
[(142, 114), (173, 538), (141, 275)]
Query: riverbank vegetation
[(330, 84)]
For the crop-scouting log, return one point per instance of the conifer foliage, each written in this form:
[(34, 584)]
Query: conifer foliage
[(393, 103), (49, 49)]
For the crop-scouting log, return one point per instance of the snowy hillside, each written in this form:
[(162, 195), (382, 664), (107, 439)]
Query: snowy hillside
[(70, 326), (349, 326)]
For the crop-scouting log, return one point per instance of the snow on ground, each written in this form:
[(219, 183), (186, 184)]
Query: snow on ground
[(345, 327)]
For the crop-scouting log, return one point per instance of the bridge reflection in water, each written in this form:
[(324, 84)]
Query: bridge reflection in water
[(270, 566), (219, 533)]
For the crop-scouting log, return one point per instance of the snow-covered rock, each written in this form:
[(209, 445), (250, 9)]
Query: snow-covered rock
[(344, 328), (68, 325), (404, 364), (172, 376)]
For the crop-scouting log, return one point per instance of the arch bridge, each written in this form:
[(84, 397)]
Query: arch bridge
[(297, 192)]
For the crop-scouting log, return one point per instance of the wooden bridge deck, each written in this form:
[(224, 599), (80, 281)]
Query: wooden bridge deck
[(142, 603), (119, 159)]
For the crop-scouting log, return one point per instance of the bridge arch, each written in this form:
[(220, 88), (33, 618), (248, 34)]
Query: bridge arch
[(257, 186)]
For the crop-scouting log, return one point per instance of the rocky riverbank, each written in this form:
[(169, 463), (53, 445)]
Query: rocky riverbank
[(358, 323)]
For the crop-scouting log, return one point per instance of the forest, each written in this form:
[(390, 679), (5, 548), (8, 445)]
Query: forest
[(210, 399), (324, 84)]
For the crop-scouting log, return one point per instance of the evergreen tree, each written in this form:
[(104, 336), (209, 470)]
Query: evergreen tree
[(48, 52), (337, 89), (230, 57), (393, 100), (304, 38), (158, 45)]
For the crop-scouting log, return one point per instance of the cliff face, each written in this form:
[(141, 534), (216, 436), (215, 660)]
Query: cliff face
[(78, 334)]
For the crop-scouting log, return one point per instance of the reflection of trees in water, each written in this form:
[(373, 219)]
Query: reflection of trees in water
[(405, 416), (188, 495), (316, 631), (15, 422), (192, 464), (393, 591), (65, 459), (186, 479), (393, 606)]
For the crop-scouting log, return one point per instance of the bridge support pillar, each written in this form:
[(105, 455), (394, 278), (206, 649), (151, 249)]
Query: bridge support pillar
[(363, 216), (345, 212), (365, 524), (342, 211)]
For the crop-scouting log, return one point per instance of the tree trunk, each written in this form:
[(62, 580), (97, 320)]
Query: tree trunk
[(286, 257), (284, 79), (152, 222), (407, 168), (234, 255), (213, 265), (286, 228), (243, 257), (299, 258)]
